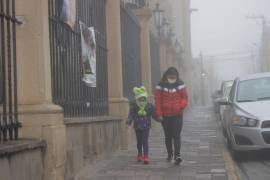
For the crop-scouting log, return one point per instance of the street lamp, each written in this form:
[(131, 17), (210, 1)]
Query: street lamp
[(203, 74), (165, 26), (158, 13), (177, 45), (191, 10), (171, 34)]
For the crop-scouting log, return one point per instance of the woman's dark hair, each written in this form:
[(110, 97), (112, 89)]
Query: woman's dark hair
[(170, 71)]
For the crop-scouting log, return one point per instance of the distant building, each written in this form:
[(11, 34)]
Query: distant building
[(177, 17)]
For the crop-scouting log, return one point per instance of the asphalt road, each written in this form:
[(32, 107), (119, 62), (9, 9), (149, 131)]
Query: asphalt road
[(254, 165)]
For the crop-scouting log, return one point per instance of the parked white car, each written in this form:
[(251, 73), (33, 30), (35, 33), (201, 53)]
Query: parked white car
[(247, 113), (226, 89)]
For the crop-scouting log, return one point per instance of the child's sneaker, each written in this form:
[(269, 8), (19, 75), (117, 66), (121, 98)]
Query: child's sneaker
[(178, 160), (146, 159), (140, 158)]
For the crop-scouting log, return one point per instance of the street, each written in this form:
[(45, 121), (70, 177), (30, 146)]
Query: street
[(255, 165), (203, 154), (71, 69)]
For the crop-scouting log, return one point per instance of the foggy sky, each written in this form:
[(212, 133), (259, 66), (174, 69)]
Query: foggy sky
[(221, 26)]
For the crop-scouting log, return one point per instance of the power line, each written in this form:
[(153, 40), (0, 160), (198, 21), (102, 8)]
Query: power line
[(243, 58), (228, 54)]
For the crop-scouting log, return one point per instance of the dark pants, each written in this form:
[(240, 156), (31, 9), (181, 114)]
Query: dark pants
[(172, 127), (142, 140)]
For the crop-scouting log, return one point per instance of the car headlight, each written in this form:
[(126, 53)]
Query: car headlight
[(239, 121), (243, 121), (252, 122)]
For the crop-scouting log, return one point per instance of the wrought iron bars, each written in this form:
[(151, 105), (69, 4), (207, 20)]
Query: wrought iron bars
[(9, 123), (131, 57), (155, 60), (69, 91)]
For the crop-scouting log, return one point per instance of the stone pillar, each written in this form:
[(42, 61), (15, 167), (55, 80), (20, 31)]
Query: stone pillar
[(40, 118), (118, 105), (163, 54), (144, 15), (170, 52)]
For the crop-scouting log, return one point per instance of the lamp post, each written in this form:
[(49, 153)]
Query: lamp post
[(171, 34), (177, 45), (202, 77), (191, 10), (165, 26), (158, 18)]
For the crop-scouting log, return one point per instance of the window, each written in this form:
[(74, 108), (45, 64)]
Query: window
[(254, 90)]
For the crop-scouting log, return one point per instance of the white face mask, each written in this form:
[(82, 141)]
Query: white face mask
[(141, 103), (171, 81)]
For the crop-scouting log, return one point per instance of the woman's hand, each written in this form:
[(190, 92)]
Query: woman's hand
[(159, 119), (181, 111)]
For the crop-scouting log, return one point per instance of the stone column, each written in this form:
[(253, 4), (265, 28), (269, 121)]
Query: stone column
[(118, 105), (170, 53), (144, 15), (40, 118), (163, 54)]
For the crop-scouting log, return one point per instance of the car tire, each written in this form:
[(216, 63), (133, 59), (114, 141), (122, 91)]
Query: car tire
[(234, 153)]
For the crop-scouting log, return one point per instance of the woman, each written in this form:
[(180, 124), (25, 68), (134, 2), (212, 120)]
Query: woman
[(170, 101)]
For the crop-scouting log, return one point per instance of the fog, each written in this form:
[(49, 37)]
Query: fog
[(222, 26), (227, 34)]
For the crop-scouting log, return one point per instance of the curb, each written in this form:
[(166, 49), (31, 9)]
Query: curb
[(231, 166)]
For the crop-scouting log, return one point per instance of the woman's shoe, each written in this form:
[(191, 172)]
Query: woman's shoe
[(169, 158), (146, 159), (178, 160)]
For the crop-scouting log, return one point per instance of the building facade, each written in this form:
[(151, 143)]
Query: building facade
[(66, 126)]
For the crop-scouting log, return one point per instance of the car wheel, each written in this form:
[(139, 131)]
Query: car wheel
[(234, 153)]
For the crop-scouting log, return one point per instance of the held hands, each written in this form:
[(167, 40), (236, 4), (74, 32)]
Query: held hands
[(159, 119), (128, 124)]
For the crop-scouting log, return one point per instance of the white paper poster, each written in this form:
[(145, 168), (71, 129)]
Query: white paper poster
[(68, 12), (88, 42)]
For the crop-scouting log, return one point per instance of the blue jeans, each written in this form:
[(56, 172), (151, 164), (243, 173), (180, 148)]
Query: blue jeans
[(142, 140)]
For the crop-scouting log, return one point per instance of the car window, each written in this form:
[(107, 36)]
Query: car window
[(254, 90)]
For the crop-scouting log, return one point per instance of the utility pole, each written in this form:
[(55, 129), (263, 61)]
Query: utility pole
[(202, 74), (254, 17), (259, 66)]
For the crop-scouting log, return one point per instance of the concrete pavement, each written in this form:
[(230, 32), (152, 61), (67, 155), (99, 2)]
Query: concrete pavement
[(203, 152)]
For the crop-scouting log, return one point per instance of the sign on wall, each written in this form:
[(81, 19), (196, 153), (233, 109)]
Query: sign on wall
[(88, 43)]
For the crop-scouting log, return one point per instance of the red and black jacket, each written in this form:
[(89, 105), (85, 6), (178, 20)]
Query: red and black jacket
[(170, 99)]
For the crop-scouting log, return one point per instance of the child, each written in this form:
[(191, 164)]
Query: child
[(140, 114)]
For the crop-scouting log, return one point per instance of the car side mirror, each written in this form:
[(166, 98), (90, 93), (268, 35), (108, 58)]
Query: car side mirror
[(223, 101)]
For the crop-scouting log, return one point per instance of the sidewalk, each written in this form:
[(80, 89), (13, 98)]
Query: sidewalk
[(202, 151)]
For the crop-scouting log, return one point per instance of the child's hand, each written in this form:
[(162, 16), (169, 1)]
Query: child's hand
[(128, 124)]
